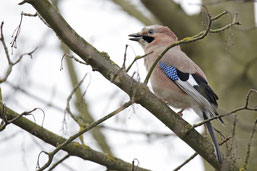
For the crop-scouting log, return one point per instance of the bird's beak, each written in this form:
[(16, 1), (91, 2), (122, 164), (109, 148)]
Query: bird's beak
[(135, 37)]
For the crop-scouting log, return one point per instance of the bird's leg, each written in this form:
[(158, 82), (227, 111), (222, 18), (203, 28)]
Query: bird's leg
[(180, 113)]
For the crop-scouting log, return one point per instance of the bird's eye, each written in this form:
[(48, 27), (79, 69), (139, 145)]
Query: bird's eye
[(150, 31)]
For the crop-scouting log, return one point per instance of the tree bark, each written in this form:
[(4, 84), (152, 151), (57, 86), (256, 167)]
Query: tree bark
[(102, 63), (228, 59)]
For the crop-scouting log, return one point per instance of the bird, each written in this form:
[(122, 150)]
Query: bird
[(176, 79)]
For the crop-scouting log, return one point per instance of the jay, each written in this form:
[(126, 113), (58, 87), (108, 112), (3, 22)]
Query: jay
[(176, 78)]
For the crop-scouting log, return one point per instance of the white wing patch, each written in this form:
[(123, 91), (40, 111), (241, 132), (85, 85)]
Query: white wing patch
[(187, 86), (192, 81)]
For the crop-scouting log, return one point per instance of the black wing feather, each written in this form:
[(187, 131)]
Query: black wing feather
[(183, 76), (205, 89)]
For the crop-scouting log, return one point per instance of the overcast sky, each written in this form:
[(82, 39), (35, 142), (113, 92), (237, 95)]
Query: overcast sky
[(103, 24)]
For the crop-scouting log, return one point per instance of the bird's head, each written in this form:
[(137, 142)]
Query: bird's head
[(152, 35)]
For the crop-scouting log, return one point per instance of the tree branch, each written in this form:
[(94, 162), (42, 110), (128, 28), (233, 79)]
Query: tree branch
[(194, 38), (185, 162), (10, 62), (244, 167), (102, 63), (59, 162), (245, 107), (72, 148), (81, 132)]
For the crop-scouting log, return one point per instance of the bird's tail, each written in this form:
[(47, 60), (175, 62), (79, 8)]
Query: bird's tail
[(216, 145)]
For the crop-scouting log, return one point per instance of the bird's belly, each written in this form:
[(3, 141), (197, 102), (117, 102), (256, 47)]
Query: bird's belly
[(166, 89), (174, 99)]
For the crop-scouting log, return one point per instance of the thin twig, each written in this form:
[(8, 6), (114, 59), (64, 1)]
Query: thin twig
[(124, 58), (38, 157), (4, 45), (58, 162), (24, 54), (72, 57), (29, 15), (134, 167), (234, 22), (85, 91), (222, 1), (17, 31), (11, 63), (76, 119), (227, 114), (27, 93), (186, 161), (199, 36), (16, 34), (5, 122), (137, 58), (249, 145), (82, 131), (219, 15), (234, 126), (225, 138), (194, 38), (148, 134)]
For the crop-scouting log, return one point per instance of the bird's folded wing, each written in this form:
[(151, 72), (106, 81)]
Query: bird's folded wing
[(195, 86)]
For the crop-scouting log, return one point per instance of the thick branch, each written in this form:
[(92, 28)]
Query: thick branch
[(73, 148), (81, 132), (101, 62)]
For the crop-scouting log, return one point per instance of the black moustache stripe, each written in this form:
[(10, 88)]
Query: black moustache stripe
[(149, 39)]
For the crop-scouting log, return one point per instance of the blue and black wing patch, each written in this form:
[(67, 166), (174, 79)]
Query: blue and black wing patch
[(196, 81), (170, 71)]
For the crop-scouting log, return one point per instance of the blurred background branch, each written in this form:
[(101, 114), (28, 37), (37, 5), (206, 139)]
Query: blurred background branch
[(227, 58)]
